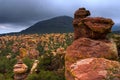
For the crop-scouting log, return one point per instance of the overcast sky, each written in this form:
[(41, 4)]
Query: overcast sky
[(16, 15)]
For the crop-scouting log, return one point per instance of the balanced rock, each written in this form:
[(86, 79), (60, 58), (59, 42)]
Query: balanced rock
[(81, 13), (85, 57), (20, 70), (90, 27), (93, 69)]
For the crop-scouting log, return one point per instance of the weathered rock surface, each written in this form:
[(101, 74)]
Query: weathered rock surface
[(81, 13), (93, 69), (86, 48), (85, 57), (90, 27)]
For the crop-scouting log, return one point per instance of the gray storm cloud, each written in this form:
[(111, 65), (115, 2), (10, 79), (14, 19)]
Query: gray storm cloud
[(23, 13)]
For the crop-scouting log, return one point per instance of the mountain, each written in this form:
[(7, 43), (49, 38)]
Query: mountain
[(61, 24), (116, 28)]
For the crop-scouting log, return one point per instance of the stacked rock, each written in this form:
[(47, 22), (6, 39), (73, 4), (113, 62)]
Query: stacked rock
[(81, 13), (90, 46), (90, 27), (20, 70)]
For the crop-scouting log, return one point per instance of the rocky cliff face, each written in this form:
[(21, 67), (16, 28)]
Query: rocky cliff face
[(85, 57)]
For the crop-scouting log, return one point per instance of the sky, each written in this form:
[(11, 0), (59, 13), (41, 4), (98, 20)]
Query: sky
[(16, 15)]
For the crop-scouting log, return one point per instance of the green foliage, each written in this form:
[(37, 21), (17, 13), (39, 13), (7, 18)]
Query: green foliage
[(45, 62), (45, 75), (6, 68), (1, 76), (4, 65), (40, 48), (48, 75), (33, 76), (28, 62), (50, 67), (4, 52)]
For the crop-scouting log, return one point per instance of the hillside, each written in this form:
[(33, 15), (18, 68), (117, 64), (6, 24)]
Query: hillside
[(116, 28), (55, 25), (48, 49)]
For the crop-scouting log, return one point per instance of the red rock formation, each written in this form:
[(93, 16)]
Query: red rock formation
[(94, 28), (81, 13), (94, 69), (90, 41), (86, 48)]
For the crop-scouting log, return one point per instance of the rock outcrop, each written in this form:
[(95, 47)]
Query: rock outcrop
[(86, 48), (90, 27), (85, 57), (95, 69), (20, 70), (81, 13)]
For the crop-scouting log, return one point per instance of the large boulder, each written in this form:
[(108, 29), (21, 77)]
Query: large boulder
[(90, 27), (93, 69), (86, 48)]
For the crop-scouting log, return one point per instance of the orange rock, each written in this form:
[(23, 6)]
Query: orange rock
[(81, 13), (93, 69), (90, 42), (20, 70), (20, 67), (86, 48), (90, 27)]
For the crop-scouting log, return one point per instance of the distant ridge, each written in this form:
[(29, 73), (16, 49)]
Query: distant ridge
[(61, 24), (116, 29)]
